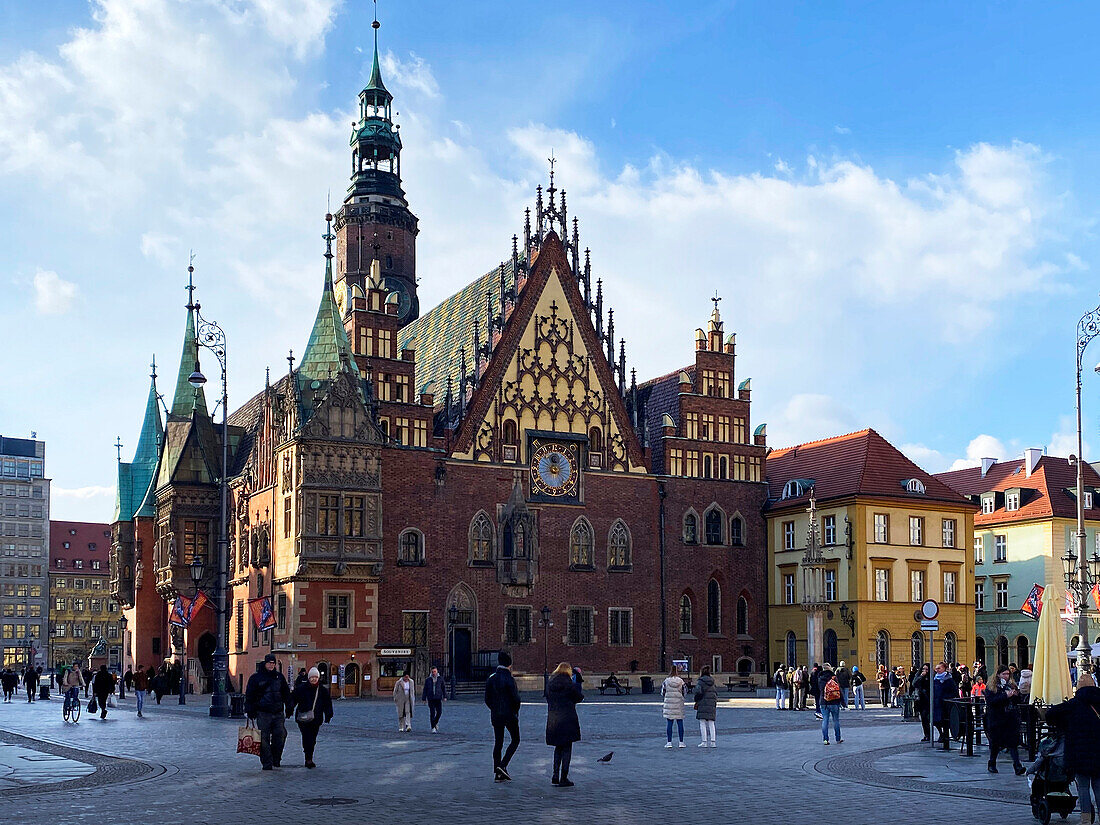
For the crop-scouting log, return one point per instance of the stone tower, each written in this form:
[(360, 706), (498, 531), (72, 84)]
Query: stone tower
[(375, 221)]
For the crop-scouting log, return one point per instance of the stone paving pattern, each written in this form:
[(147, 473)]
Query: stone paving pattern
[(178, 765)]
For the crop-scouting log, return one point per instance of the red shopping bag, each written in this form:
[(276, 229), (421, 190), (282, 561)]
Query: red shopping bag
[(248, 740)]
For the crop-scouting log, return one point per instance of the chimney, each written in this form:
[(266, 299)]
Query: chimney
[(1031, 459), (987, 463)]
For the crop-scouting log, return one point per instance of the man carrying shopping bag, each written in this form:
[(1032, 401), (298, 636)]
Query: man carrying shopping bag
[(267, 701)]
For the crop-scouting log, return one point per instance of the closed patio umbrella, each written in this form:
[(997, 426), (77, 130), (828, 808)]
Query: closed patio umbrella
[(1050, 674)]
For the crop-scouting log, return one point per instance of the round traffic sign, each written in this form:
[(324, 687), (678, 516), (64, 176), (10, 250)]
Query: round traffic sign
[(929, 609)]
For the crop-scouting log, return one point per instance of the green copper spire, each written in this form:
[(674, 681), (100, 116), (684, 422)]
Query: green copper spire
[(329, 350), (143, 468), (187, 398), (375, 83)]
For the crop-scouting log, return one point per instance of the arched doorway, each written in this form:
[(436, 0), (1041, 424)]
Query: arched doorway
[(351, 680), (1023, 655), (204, 651), (979, 649), (323, 669), (830, 652), (462, 636), (1002, 651), (744, 666)]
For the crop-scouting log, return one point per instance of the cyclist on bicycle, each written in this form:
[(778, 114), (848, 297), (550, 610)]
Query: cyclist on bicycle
[(73, 684)]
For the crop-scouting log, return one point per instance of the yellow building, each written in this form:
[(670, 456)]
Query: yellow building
[(892, 536), (82, 611)]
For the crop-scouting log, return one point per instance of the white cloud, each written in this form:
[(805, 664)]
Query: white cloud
[(983, 446), (413, 74), (82, 493), (53, 295), (1063, 441), (842, 130), (808, 417)]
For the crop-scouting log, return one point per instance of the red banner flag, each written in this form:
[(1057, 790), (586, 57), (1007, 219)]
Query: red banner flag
[(1069, 613), (1095, 593), (184, 609), (1033, 604), (263, 616)]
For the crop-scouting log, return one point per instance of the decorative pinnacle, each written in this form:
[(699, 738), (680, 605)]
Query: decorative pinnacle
[(153, 365), (328, 236), (191, 280), (716, 299), (118, 448), (290, 360)]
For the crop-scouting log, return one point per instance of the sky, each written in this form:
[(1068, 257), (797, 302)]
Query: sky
[(897, 203)]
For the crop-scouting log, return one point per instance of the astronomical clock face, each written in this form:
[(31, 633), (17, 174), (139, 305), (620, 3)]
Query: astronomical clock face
[(554, 470)]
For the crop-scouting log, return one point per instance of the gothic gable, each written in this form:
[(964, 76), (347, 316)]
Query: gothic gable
[(338, 411)]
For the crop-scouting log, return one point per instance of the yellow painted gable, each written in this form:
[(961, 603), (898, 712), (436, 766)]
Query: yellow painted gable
[(551, 384)]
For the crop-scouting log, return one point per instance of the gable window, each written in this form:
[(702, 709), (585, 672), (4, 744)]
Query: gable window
[(916, 530), (737, 531), (691, 529), (685, 615), (788, 535), (949, 532), (581, 555), (989, 503), (829, 529), (713, 526), (714, 607), (914, 485), (1086, 499), (481, 540), (580, 631), (792, 489), (510, 437), (410, 547), (618, 547), (517, 625), (620, 626), (788, 588), (1000, 548), (882, 528), (1012, 500)]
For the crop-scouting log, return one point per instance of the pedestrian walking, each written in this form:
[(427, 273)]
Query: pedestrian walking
[(404, 697), (672, 689), (267, 703), (86, 674), (128, 678), (918, 688), (435, 694), (502, 699), (103, 685), (883, 679), (706, 708), (311, 704), (302, 677), (11, 683), (857, 689), (831, 699), (800, 687), (943, 689), (30, 682), (1002, 719), (814, 688), (141, 687), (1079, 719), (563, 727), (780, 679), (844, 679)]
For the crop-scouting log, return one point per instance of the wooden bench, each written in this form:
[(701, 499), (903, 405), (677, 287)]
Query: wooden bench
[(742, 685), (623, 685)]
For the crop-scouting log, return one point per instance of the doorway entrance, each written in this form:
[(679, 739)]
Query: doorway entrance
[(463, 654), (204, 651), (351, 680)]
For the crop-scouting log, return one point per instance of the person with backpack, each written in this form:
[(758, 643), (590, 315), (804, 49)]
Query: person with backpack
[(830, 701), (706, 708), (781, 687)]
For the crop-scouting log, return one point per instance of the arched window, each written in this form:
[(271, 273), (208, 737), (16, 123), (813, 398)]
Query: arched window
[(708, 466), (581, 553), (691, 528), (830, 645), (481, 540), (685, 615), (712, 525), (792, 489), (509, 433), (1023, 654), (1002, 651), (723, 467), (792, 649), (595, 440), (914, 485), (737, 531), (916, 649), (950, 648), (882, 648), (714, 607), (618, 546), (742, 616), (979, 649), (410, 547)]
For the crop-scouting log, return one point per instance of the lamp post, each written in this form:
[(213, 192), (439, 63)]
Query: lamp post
[(210, 335), (1087, 329), (452, 618), (848, 616), (545, 624), (197, 568), (123, 623)]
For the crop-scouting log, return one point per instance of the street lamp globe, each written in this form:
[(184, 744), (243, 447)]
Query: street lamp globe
[(196, 379), (1094, 566), (198, 567), (452, 614), (1069, 565), (123, 623)]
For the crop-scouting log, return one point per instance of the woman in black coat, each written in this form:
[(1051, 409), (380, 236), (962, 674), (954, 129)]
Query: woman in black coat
[(563, 728), (1002, 719), (1079, 718), (103, 685), (311, 704)]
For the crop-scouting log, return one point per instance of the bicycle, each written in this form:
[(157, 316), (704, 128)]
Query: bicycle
[(70, 712)]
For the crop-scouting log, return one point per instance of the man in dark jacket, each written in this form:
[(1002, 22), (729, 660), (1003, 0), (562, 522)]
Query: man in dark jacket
[(943, 689), (814, 689), (267, 701), (30, 682), (1079, 719), (435, 691), (502, 699), (844, 679)]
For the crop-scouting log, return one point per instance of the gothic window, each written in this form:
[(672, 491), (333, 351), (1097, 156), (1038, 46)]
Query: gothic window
[(737, 531), (509, 435), (618, 546), (595, 440), (691, 528), (742, 616), (712, 524), (581, 555), (951, 648), (514, 542), (481, 540), (792, 649), (410, 547), (714, 607), (685, 615)]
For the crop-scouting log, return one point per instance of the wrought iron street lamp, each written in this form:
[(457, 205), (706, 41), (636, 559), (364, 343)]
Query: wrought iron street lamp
[(545, 624), (452, 619), (848, 616), (1077, 581), (210, 335)]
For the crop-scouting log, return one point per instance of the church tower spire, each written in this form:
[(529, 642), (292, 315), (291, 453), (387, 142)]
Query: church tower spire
[(375, 212), (187, 398)]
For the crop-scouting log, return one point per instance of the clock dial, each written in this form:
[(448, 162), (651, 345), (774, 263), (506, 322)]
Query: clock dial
[(554, 470), (341, 291)]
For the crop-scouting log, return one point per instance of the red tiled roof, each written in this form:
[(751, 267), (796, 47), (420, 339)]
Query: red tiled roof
[(1043, 493), (857, 464), (80, 535)]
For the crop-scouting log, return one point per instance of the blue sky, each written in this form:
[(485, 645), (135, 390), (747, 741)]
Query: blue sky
[(896, 202)]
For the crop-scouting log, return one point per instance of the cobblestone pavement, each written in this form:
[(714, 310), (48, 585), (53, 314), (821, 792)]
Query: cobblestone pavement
[(178, 765)]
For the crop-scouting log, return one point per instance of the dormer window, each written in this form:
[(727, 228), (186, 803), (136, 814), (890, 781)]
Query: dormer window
[(794, 488), (1012, 500), (914, 485), (1087, 499), (989, 503)]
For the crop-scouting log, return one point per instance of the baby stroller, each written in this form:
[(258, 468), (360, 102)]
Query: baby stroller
[(1050, 782)]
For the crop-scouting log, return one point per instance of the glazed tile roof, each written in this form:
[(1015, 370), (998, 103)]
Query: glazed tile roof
[(185, 398), (657, 397), (857, 464), (1050, 490), (438, 336), (328, 352)]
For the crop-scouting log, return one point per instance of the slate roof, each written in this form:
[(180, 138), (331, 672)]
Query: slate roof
[(657, 397), (135, 478), (857, 464), (1050, 490), (438, 336)]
